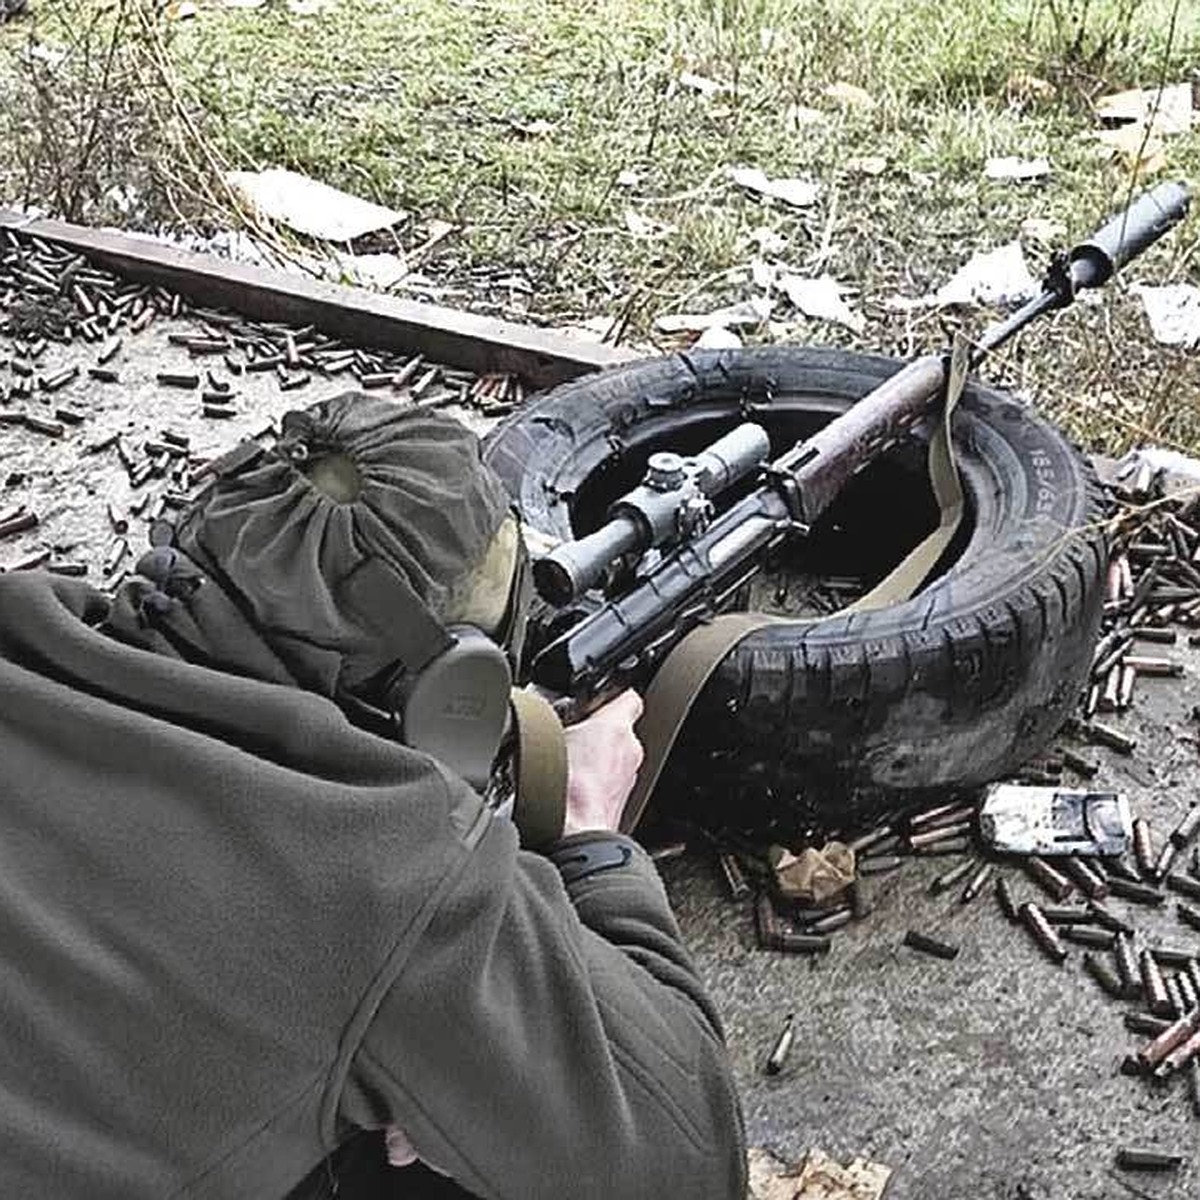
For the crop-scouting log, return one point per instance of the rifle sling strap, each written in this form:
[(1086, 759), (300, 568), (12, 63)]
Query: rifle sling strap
[(541, 771), (687, 668)]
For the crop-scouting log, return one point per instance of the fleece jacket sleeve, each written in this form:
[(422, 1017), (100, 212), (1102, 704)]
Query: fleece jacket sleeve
[(543, 1043)]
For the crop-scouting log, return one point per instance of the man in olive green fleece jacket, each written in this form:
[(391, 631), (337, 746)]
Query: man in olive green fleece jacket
[(238, 928)]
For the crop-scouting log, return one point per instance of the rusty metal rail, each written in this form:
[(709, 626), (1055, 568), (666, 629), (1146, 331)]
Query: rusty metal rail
[(447, 335)]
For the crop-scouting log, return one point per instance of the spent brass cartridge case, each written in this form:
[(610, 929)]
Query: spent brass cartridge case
[(1165, 860), (1143, 847), (977, 882), (880, 865), (1008, 905), (947, 879), (1103, 974), (932, 814), (766, 922), (1144, 1023), (735, 879), (838, 919), (1187, 829), (942, 833), (1050, 880), (63, 567), (939, 818), (1110, 691), (871, 838), (18, 523), (787, 942), (1148, 633), (177, 380), (1127, 965), (783, 1046), (1084, 935), (1042, 933), (1175, 1034), (957, 845), (1120, 869), (1114, 739), (1139, 893), (860, 899), (1128, 681), (1147, 1160), (1088, 882), (1154, 987), (1186, 884), (1179, 1057), (42, 425), (59, 380), (929, 945), (1079, 764), (1145, 665), (1171, 956), (1077, 914)]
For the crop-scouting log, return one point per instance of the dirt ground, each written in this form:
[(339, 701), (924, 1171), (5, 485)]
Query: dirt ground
[(992, 1077)]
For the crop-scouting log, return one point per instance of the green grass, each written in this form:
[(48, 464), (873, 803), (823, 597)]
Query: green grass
[(425, 105)]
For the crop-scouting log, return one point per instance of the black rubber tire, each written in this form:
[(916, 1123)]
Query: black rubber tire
[(953, 688)]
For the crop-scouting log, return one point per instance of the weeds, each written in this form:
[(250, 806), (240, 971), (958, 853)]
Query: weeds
[(586, 180)]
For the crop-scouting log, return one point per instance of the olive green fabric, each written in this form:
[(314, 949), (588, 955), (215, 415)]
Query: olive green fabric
[(346, 590), (235, 928)]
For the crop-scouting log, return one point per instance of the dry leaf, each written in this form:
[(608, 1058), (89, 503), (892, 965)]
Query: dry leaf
[(1139, 149), (310, 207), (1017, 168), (798, 192), (998, 276), (769, 1178), (698, 83), (816, 875), (819, 1178), (850, 95), (748, 312), (716, 337), (380, 271), (1166, 112), (1173, 311), (867, 164), (821, 299)]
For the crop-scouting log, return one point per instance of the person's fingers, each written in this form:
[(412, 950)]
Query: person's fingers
[(627, 706)]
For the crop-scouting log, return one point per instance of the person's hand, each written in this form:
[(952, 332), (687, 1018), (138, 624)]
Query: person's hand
[(603, 757)]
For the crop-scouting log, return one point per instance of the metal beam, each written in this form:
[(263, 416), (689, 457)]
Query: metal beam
[(445, 335)]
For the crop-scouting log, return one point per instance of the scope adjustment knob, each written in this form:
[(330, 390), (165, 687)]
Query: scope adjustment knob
[(664, 471)]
